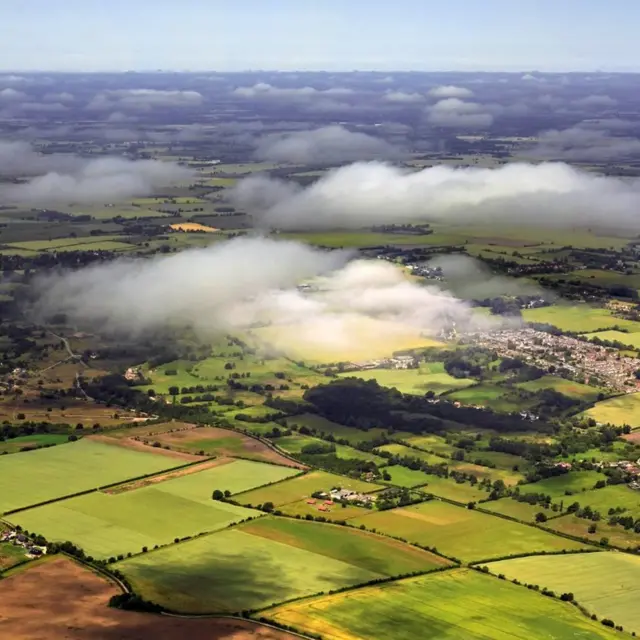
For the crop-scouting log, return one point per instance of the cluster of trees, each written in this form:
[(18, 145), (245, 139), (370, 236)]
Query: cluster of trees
[(365, 404)]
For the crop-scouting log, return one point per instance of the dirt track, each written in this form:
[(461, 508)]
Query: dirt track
[(61, 600)]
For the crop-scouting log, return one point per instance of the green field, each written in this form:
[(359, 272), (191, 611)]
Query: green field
[(519, 510), (10, 555), (630, 339), (408, 452), (574, 526), (579, 318), (107, 525), (322, 425), (487, 395), (460, 604), (255, 565), (33, 441), (567, 387), (434, 444), (618, 495), (55, 472), (69, 244), (567, 487), (429, 377), (617, 411), (606, 583), (404, 477), (452, 490), (463, 533), (293, 445), (302, 487)]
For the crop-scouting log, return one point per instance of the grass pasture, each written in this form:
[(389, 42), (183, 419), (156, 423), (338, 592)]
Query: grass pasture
[(300, 488), (630, 339), (10, 555), (404, 477), (107, 525), (618, 495), (432, 444), (617, 411), (580, 318), (567, 387), (255, 565), (33, 441), (294, 444), (606, 583), (207, 440), (579, 527), (54, 472), (459, 605), (565, 486), (519, 510), (323, 426), (463, 533), (409, 452), (429, 377)]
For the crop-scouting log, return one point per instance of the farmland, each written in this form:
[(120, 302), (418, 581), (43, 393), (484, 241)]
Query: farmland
[(323, 426), (429, 377), (114, 524), (574, 526), (294, 445), (618, 495), (302, 487), (45, 474), (617, 411), (614, 597), (463, 533), (205, 440), (578, 318), (567, 387), (255, 565), (561, 487), (85, 610), (454, 604), (24, 443)]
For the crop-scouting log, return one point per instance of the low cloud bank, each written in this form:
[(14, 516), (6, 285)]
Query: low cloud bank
[(330, 144), (584, 143), (362, 194), (251, 282), (70, 179)]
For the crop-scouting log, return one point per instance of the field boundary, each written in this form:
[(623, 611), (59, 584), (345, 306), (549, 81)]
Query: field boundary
[(94, 490)]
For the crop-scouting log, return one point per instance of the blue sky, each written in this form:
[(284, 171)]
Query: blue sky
[(234, 35)]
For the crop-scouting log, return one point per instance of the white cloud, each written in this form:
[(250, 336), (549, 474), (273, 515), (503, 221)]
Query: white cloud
[(362, 194), (450, 91), (456, 113), (265, 90), (325, 145), (143, 100), (101, 180), (402, 97), (12, 95)]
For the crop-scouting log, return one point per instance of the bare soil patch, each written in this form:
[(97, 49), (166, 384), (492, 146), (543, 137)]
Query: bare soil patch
[(634, 437), (219, 442), (31, 609), (129, 443), (138, 484)]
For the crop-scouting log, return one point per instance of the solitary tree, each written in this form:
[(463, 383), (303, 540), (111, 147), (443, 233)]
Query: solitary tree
[(217, 495)]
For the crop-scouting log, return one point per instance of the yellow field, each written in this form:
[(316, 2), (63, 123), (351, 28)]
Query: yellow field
[(348, 339), (193, 226), (619, 411)]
